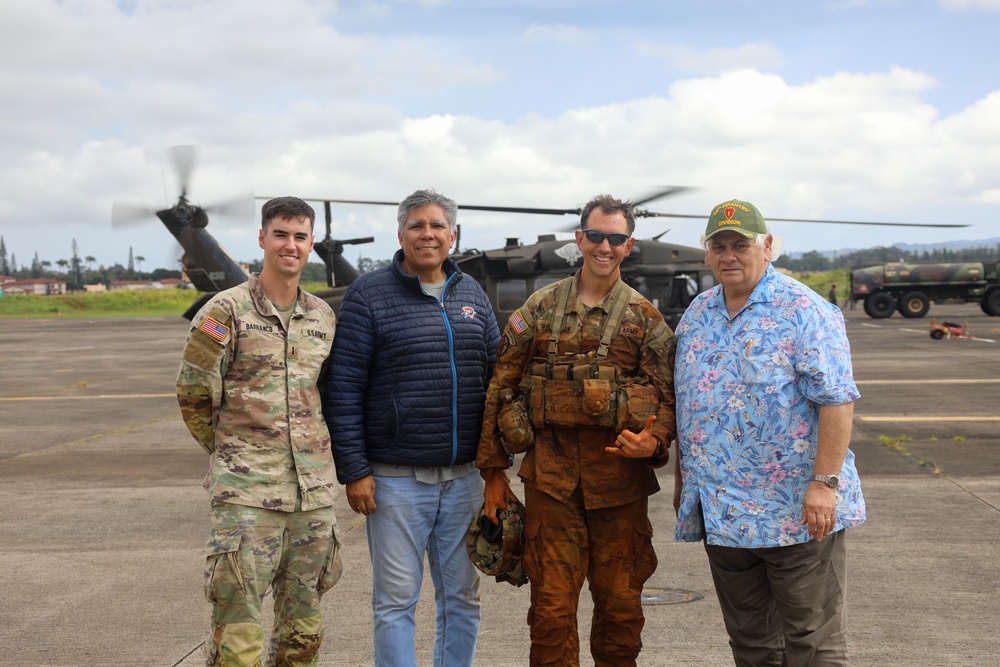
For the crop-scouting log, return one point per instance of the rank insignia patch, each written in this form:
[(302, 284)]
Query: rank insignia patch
[(215, 329)]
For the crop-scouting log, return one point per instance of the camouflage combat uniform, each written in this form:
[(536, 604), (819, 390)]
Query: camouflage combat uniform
[(586, 508), (248, 393)]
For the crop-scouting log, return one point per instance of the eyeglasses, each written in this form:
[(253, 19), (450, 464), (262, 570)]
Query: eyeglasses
[(597, 238)]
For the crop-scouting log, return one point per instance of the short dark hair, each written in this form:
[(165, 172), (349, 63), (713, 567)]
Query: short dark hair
[(609, 205), (422, 198), (286, 207)]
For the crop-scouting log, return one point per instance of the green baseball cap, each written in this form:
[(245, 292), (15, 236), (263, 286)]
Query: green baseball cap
[(737, 216)]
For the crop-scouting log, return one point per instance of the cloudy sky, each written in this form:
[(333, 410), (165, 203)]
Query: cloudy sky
[(849, 109)]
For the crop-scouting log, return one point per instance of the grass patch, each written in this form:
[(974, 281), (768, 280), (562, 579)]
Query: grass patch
[(120, 303), (820, 281), (896, 444)]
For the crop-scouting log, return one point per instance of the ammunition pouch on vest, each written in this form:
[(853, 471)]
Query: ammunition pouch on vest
[(581, 390), (514, 421)]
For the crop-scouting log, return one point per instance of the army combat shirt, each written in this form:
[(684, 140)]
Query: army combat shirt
[(564, 458), (248, 392)]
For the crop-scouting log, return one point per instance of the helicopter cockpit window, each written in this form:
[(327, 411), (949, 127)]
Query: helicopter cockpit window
[(542, 282), (683, 290), (510, 294)]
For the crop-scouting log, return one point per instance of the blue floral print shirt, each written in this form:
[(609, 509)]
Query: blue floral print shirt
[(748, 395)]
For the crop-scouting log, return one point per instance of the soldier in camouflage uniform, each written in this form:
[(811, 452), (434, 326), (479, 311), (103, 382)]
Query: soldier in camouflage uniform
[(586, 486), (247, 389)]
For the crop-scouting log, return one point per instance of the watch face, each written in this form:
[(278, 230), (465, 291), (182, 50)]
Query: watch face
[(830, 480)]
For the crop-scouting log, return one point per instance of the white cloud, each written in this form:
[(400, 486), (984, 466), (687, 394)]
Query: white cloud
[(282, 102), (761, 55)]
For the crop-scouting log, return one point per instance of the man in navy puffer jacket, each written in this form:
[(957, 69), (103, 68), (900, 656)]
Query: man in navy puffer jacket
[(415, 347)]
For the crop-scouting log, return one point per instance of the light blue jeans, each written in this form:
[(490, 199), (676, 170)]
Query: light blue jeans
[(411, 519)]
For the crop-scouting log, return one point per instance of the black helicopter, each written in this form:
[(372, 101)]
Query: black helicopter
[(669, 275), (206, 263)]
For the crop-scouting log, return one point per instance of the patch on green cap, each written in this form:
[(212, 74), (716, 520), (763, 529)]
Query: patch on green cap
[(737, 216)]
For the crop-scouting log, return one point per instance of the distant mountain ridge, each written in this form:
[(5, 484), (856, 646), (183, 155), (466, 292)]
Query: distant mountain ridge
[(911, 247)]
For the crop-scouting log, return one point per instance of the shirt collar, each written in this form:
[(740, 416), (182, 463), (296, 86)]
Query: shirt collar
[(761, 293), (580, 308)]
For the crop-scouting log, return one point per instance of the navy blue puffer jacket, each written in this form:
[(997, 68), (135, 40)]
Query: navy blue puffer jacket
[(407, 376)]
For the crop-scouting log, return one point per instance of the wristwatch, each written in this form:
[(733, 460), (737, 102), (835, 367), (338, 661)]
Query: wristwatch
[(830, 480)]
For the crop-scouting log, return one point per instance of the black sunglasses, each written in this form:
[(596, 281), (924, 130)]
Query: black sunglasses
[(597, 238)]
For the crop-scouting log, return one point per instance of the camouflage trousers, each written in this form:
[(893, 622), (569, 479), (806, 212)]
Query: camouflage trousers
[(252, 549), (566, 544)]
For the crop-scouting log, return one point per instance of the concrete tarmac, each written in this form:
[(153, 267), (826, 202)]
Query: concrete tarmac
[(104, 520)]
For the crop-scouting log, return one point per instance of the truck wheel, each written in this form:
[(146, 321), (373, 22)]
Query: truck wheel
[(880, 305), (914, 304), (991, 303)]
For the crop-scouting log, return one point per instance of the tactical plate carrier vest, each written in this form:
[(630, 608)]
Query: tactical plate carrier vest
[(572, 390)]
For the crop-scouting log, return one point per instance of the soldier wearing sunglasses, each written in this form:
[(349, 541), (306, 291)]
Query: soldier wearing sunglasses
[(583, 386)]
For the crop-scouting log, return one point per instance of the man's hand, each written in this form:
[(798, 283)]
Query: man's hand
[(361, 495), (640, 445), (819, 510), (496, 491)]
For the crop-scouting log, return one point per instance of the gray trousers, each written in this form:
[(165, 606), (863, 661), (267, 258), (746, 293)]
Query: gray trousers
[(784, 606)]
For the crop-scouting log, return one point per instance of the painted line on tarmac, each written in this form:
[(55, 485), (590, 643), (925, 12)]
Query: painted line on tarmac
[(96, 436), (80, 398), (938, 381), (911, 418)]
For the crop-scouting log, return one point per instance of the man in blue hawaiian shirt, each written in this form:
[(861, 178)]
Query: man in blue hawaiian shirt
[(764, 476)]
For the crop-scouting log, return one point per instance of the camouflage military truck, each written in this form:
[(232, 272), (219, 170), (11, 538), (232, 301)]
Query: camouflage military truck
[(909, 288)]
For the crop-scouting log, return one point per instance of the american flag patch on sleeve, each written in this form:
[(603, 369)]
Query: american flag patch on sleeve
[(215, 328), (517, 322)]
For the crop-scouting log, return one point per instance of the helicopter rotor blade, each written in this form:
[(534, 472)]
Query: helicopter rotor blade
[(129, 215), (464, 207), (183, 157), (523, 209), (241, 206), (664, 191), (653, 214), (643, 213), (875, 224)]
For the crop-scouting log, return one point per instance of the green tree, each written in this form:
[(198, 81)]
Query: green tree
[(90, 260), (366, 264), (63, 263), (77, 266), (4, 266), (139, 259)]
